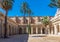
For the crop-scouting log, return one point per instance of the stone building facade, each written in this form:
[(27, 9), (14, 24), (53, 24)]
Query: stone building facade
[(18, 25), (56, 22), (35, 23), (12, 26)]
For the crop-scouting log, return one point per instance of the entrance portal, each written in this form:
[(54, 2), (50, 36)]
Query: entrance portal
[(20, 30), (34, 30), (43, 30), (39, 31), (24, 30)]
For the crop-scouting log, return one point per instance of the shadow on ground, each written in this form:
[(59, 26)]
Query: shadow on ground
[(16, 38), (39, 36)]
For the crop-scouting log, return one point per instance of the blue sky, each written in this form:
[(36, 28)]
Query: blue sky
[(39, 8)]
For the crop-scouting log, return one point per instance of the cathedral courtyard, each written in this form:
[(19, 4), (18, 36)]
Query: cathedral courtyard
[(21, 23), (31, 38)]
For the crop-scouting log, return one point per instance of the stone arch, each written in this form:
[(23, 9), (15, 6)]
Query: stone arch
[(43, 30), (20, 30), (34, 30), (39, 30)]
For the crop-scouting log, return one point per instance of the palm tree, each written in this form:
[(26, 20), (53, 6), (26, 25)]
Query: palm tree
[(6, 5), (46, 22), (29, 12), (55, 3), (24, 8)]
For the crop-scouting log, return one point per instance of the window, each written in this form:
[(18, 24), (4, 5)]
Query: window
[(18, 20), (39, 19), (32, 21), (25, 21)]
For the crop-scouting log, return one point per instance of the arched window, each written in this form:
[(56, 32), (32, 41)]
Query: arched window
[(32, 21), (18, 20), (25, 21), (39, 19)]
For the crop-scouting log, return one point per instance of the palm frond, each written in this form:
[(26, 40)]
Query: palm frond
[(24, 7), (29, 11), (55, 3), (45, 20), (7, 4)]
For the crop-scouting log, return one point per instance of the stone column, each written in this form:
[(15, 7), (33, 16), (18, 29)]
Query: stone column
[(48, 29), (59, 27), (31, 30), (11, 30), (14, 30), (8, 30), (27, 30), (41, 30), (2, 30), (55, 29), (52, 31), (36, 30)]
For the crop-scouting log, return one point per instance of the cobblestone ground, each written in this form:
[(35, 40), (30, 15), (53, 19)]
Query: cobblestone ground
[(29, 38)]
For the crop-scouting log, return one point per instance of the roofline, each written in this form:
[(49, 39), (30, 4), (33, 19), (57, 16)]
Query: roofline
[(27, 16)]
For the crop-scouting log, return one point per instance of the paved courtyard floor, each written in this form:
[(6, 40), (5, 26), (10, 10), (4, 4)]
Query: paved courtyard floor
[(31, 38), (41, 38)]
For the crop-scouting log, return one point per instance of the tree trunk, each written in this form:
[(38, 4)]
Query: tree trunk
[(29, 25), (5, 29), (29, 20), (24, 18)]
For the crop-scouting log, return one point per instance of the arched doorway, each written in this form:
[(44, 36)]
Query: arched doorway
[(34, 30), (9, 30), (20, 30), (24, 30), (43, 30), (39, 30)]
